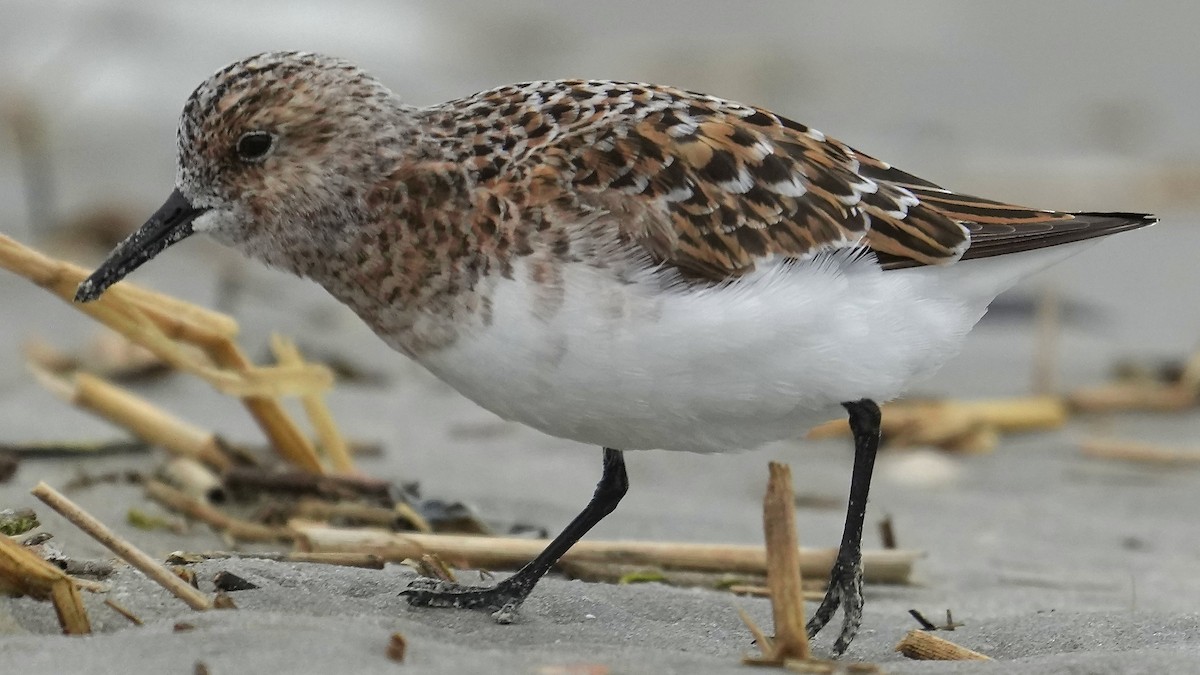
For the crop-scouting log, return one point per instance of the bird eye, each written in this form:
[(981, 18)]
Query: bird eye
[(254, 145)]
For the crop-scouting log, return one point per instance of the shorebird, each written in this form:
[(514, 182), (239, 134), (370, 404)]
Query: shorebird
[(628, 265)]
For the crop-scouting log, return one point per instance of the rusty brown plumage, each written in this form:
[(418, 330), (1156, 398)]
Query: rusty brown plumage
[(433, 204), (709, 186)]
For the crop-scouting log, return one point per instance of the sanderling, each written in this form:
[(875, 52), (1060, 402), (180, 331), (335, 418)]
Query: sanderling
[(628, 265)]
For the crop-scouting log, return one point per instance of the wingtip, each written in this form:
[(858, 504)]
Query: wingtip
[(1133, 218)]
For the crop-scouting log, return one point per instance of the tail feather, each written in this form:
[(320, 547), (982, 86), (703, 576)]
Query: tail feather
[(997, 238), (993, 240)]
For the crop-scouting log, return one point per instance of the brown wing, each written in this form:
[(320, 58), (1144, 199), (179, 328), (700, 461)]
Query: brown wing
[(711, 186), (997, 228)]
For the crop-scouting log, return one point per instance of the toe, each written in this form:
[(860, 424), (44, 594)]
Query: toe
[(825, 611), (424, 584), (506, 614)]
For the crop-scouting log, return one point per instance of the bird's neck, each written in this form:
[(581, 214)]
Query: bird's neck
[(403, 257)]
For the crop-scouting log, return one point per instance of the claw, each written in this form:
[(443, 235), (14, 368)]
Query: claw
[(421, 585), (506, 614), (845, 591), (502, 600)]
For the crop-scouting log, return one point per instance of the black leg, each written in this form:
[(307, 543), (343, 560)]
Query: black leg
[(505, 597), (845, 580)]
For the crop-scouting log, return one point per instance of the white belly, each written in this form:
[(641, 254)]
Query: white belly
[(729, 367)]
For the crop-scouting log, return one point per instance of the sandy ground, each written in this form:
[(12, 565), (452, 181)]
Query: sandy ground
[(1052, 561)]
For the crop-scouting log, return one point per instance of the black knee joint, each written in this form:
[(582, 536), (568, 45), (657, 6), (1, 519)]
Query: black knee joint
[(864, 414)]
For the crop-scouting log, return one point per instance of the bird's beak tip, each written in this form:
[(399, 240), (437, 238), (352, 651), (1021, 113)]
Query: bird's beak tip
[(171, 223)]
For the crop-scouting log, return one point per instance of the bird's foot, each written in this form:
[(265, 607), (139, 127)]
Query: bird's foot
[(502, 600), (845, 591)]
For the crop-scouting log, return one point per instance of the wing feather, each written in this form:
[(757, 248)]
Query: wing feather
[(713, 187)]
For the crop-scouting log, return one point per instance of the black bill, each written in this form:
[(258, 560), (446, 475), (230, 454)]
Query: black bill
[(172, 222)]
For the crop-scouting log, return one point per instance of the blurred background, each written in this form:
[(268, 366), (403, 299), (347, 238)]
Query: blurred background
[(1079, 105)]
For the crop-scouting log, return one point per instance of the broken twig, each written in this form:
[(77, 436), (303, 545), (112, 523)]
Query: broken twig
[(170, 329), (74, 449), (195, 479), (894, 567), (957, 425), (1132, 396), (120, 609), (925, 623), (1144, 453), (242, 530), (24, 572), (783, 574), (364, 560), (256, 480), (314, 406), (125, 550), (924, 646), (144, 419)]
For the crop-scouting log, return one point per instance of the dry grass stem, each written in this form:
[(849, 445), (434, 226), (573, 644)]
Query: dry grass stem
[(614, 573), (125, 550), (1133, 451), (309, 508), (158, 328), (195, 480), (74, 449), (42, 355), (142, 418), (957, 425), (924, 646), (107, 354), (413, 517), (783, 568), (62, 278), (482, 552), (432, 566), (364, 560), (314, 406), (285, 437), (23, 572), (172, 330), (789, 646), (68, 605), (196, 509), (1132, 396), (292, 482), (887, 533), (123, 611), (920, 618), (90, 586), (761, 639)]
